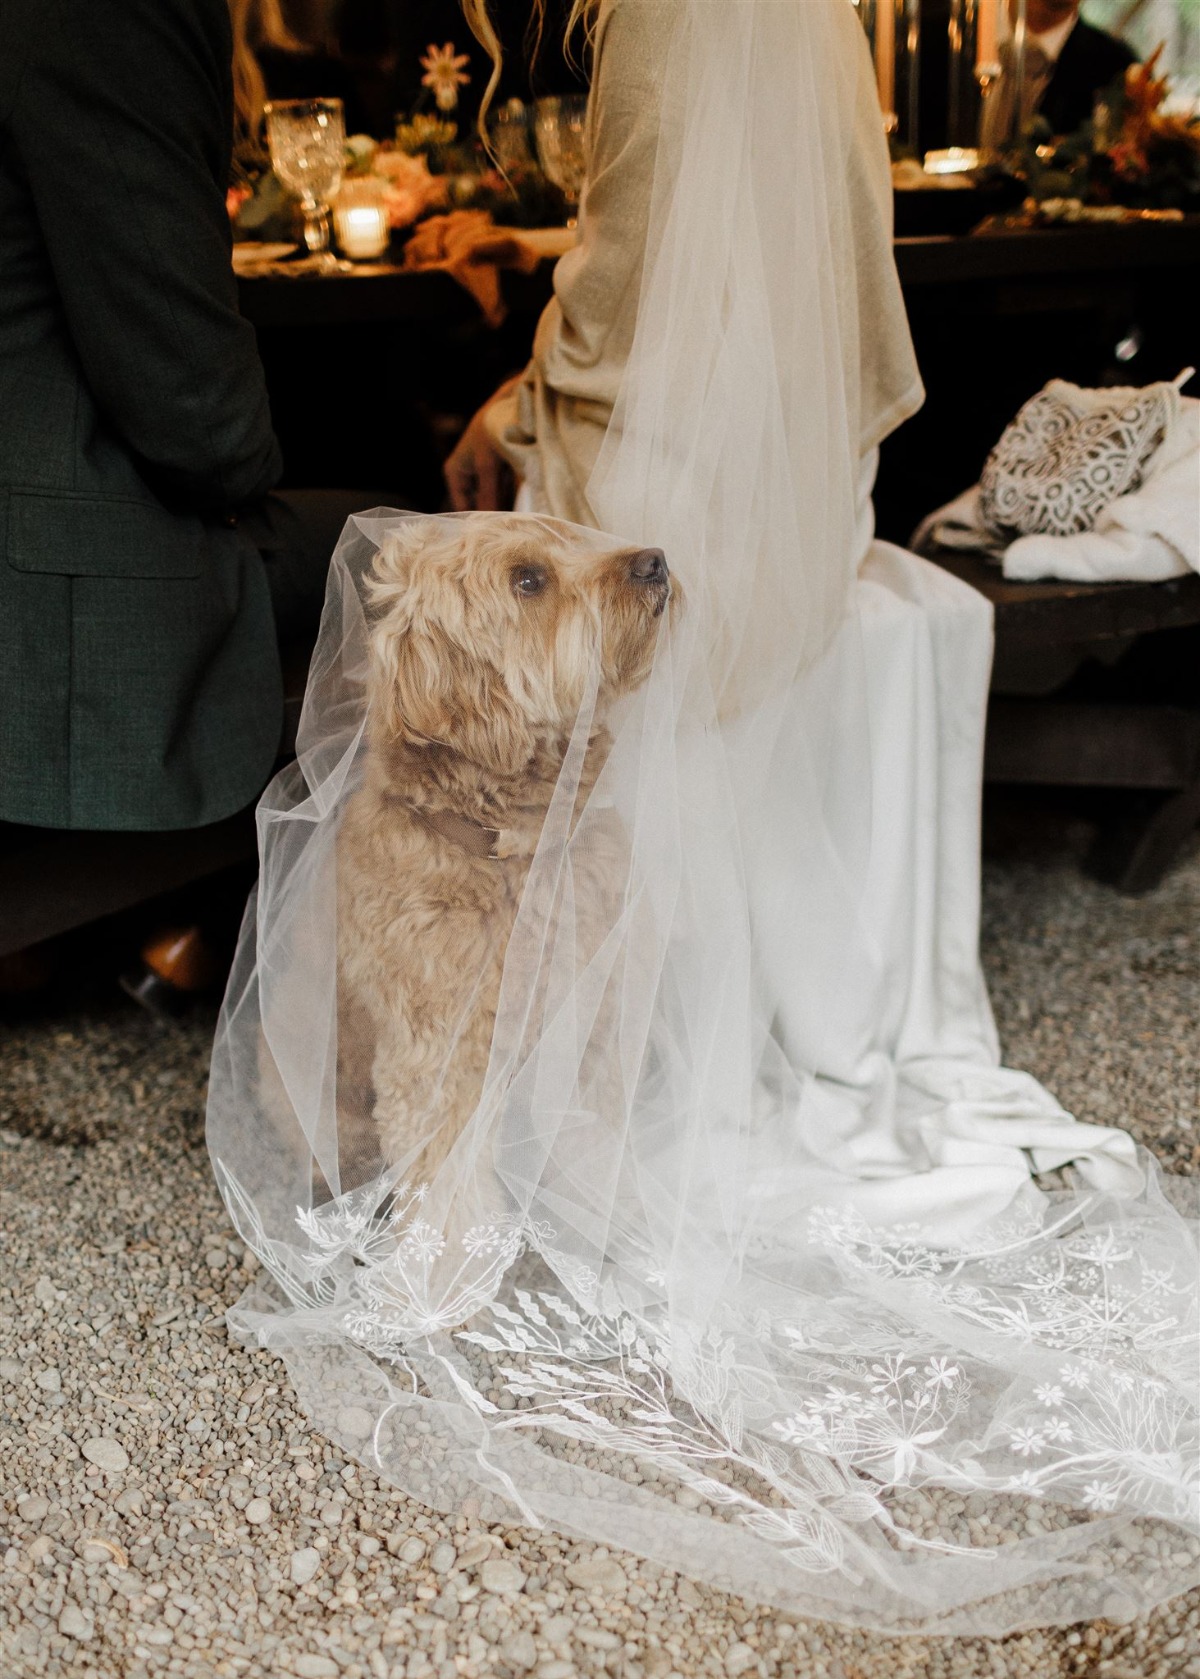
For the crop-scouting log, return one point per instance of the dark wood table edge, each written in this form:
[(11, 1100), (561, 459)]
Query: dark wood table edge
[(387, 292), (1054, 612), (1023, 253)]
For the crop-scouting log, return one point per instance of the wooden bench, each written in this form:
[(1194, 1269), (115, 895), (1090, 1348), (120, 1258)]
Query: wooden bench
[(52, 882), (1039, 735)]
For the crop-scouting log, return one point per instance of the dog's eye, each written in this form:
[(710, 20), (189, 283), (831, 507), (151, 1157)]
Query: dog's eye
[(529, 580)]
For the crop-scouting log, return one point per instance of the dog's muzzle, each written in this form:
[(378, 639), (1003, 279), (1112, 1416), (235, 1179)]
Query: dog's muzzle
[(648, 570)]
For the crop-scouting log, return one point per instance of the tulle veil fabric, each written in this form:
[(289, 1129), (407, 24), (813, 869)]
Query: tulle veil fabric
[(752, 1260)]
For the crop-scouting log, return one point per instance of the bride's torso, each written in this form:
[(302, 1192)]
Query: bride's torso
[(554, 426)]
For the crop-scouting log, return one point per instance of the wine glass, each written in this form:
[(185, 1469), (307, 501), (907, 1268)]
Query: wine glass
[(307, 138), (510, 136), (558, 128)]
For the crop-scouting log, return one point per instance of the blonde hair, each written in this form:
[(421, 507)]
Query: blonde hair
[(256, 24), (479, 22)]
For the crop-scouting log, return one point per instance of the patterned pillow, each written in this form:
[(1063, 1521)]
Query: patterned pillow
[(1068, 453)]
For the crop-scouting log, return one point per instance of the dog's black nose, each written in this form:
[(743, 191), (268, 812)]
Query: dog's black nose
[(649, 566)]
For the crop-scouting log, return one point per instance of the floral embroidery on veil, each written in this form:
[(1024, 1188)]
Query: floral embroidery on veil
[(879, 1409)]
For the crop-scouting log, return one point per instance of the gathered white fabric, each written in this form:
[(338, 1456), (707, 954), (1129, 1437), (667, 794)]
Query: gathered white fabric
[(1146, 534), (752, 1258), (1150, 533)]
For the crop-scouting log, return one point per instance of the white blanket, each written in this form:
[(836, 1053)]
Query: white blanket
[(1147, 536)]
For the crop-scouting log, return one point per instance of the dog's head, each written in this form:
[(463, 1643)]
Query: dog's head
[(489, 628)]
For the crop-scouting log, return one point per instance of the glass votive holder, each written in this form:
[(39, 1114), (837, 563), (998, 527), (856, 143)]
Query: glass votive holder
[(952, 160), (360, 219)]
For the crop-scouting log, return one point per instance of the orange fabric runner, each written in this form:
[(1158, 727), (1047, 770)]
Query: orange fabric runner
[(469, 245)]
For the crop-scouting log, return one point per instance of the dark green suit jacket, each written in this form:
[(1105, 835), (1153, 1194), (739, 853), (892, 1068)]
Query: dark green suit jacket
[(139, 676)]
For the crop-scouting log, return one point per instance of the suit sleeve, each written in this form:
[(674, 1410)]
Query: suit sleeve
[(122, 119)]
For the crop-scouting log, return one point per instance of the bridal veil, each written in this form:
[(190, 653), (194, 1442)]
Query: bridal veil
[(753, 1258)]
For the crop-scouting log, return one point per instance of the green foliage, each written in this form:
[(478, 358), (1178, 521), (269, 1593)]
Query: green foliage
[(1128, 155)]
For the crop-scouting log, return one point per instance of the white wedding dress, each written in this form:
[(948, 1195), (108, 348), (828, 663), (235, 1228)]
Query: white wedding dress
[(753, 1259)]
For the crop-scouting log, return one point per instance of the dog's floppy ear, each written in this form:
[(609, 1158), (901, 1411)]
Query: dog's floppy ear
[(425, 686)]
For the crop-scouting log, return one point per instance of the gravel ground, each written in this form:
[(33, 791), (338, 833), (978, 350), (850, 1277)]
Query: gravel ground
[(165, 1510)]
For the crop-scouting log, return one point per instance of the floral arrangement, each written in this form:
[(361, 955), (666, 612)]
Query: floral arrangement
[(519, 195), (428, 168), (1134, 154), (522, 196)]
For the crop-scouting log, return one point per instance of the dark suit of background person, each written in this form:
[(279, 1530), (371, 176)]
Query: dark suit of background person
[(1089, 62), (139, 670)]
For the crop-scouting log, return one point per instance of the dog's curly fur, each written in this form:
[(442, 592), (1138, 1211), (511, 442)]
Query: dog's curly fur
[(488, 631)]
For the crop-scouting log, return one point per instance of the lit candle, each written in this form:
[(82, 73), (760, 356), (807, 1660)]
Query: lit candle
[(362, 230), (953, 160), (360, 222)]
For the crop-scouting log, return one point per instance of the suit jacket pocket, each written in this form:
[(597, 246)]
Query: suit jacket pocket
[(101, 536)]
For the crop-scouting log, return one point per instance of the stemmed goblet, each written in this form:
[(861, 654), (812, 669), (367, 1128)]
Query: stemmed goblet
[(558, 128), (510, 136), (307, 138)]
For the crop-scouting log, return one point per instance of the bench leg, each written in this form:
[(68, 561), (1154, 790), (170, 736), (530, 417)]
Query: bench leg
[(1134, 860)]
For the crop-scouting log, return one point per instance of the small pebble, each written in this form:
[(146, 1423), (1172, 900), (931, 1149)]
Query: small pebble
[(356, 1422), (412, 1550), (33, 1510), (312, 1666), (304, 1565), (598, 1574), (596, 1638), (258, 1511), (476, 1550), (442, 1558), (50, 1381), (106, 1454), (739, 1658), (73, 1623), (97, 1549), (500, 1576), (519, 1651)]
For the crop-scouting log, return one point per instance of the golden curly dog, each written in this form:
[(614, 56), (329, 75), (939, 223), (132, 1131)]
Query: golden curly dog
[(488, 631)]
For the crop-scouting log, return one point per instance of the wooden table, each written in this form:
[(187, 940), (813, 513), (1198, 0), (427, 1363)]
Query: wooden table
[(993, 317), (380, 292), (383, 291), (1030, 254), (371, 373)]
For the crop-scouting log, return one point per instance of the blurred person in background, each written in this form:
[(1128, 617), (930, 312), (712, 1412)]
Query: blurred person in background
[(1067, 64), (149, 572)]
